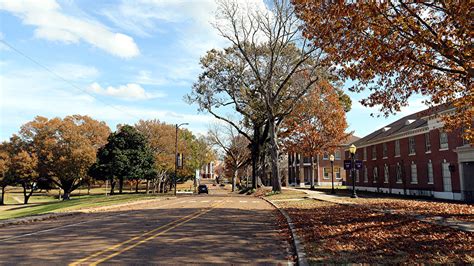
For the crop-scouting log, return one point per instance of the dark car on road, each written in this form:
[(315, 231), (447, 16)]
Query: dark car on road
[(203, 189)]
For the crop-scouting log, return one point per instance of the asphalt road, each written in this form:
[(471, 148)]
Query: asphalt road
[(199, 229)]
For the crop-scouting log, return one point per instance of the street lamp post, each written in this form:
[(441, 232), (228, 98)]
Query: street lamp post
[(352, 150), (176, 157), (331, 158)]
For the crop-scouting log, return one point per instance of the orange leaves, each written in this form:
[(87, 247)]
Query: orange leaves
[(354, 234), (403, 47), (316, 123)]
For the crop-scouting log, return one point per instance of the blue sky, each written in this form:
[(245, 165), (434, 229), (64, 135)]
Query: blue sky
[(122, 61)]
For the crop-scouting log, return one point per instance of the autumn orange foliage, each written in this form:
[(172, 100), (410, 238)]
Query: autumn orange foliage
[(317, 123), (398, 49)]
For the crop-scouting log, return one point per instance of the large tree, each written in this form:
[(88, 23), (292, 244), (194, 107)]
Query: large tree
[(262, 75), (125, 156), (65, 148), (398, 49)]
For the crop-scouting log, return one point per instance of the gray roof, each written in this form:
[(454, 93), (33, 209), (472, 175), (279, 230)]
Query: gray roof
[(417, 120)]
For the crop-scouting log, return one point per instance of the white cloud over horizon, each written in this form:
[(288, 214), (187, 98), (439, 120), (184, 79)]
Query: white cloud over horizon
[(53, 25)]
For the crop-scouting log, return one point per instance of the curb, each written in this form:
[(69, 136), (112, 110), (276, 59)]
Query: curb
[(300, 254), (35, 218)]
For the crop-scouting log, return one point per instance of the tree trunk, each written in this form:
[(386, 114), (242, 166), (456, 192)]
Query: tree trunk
[(312, 172), (89, 189), (147, 190), (112, 187), (234, 177), (255, 155), (120, 185), (2, 200), (276, 184), (25, 195), (66, 195), (136, 186), (301, 177)]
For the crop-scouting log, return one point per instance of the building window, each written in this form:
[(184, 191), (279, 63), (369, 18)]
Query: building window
[(427, 142), (374, 152), (327, 173), (430, 172), (366, 176), (365, 153), (443, 140), (376, 174), (414, 174), (385, 173), (337, 173), (446, 177), (399, 173), (325, 156), (411, 145), (337, 155), (397, 147), (384, 150)]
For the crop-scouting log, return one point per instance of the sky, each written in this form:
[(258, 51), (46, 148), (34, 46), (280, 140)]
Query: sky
[(116, 61)]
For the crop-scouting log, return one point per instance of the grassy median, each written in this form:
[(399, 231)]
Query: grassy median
[(76, 203)]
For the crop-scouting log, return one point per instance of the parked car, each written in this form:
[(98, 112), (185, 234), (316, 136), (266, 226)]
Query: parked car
[(203, 189)]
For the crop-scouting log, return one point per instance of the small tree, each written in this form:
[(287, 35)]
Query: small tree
[(5, 162), (23, 168), (126, 155), (235, 148), (317, 124)]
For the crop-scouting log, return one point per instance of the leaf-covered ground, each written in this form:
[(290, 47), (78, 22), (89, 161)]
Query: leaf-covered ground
[(347, 234), (458, 211)]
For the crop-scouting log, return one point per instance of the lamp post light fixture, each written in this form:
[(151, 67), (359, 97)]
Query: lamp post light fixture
[(331, 158), (352, 150), (176, 157)]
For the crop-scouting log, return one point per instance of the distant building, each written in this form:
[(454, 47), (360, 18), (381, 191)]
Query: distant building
[(299, 167), (414, 156)]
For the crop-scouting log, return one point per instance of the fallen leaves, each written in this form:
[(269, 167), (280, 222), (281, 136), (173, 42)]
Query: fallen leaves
[(347, 234)]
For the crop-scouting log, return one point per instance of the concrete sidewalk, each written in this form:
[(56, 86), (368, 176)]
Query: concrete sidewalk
[(343, 199)]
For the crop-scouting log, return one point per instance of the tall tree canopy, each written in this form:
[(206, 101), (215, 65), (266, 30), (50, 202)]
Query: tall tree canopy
[(262, 75), (399, 48)]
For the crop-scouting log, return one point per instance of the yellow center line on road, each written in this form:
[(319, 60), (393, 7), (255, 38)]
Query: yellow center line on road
[(183, 219), (196, 215), (134, 238)]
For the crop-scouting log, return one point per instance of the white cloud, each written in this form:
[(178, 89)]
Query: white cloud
[(130, 91), (53, 25)]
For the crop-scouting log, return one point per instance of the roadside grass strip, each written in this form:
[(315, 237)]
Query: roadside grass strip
[(140, 239)]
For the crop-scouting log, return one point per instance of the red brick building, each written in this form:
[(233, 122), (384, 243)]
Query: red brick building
[(300, 168), (414, 156)]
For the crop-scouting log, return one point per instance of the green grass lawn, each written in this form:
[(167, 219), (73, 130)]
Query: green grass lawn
[(48, 204)]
